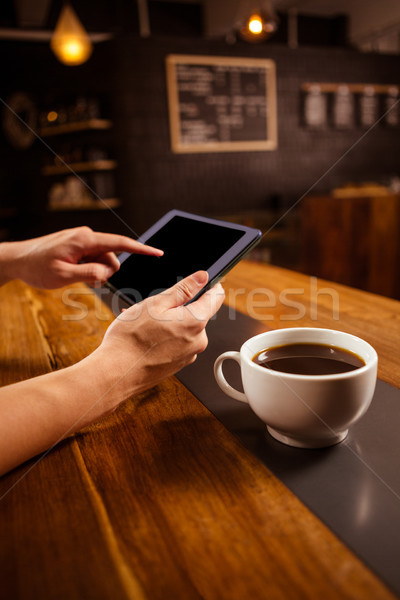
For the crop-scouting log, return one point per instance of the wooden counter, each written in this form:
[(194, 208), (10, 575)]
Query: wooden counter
[(160, 501), (353, 240)]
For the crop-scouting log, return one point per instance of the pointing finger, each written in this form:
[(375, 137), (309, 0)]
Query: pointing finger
[(109, 242)]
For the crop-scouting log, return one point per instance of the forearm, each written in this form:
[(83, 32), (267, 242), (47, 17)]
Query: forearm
[(147, 343), (38, 413), (9, 261)]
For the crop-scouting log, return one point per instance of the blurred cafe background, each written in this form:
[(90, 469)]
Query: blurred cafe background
[(87, 133)]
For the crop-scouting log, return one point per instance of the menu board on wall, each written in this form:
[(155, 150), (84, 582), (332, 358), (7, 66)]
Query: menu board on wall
[(391, 107), (350, 105), (343, 108), (315, 107), (368, 107), (221, 104)]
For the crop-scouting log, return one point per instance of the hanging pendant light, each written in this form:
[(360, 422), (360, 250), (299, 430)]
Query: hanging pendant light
[(256, 20), (70, 41)]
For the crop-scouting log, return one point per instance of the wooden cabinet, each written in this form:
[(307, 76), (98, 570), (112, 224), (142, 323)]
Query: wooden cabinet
[(353, 240)]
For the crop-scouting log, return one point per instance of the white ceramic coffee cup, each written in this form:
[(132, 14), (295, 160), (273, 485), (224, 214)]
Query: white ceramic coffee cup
[(307, 411)]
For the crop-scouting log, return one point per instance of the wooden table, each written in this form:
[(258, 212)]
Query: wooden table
[(160, 501)]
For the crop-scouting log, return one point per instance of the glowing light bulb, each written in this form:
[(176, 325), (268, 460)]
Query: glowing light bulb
[(52, 116), (255, 24), (70, 42), (72, 49)]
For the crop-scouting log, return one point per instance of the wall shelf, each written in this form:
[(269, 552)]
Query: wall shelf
[(80, 167), (355, 88), (90, 124), (89, 205)]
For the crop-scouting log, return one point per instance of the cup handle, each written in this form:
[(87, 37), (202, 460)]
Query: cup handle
[(220, 378)]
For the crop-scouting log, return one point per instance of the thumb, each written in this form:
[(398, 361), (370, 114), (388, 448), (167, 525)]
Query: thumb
[(184, 290), (87, 272)]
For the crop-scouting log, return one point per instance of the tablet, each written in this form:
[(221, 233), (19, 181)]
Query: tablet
[(190, 243)]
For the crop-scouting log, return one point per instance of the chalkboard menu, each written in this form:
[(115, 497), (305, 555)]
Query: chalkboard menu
[(221, 104)]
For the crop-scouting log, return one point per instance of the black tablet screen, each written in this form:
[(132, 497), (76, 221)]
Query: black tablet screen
[(188, 245)]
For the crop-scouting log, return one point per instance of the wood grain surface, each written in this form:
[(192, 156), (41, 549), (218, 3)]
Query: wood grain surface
[(352, 240), (290, 299), (160, 501)]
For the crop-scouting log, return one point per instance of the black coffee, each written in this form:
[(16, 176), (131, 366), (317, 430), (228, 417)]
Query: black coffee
[(308, 359)]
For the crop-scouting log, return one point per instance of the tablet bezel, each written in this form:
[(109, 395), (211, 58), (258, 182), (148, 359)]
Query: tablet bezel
[(218, 269)]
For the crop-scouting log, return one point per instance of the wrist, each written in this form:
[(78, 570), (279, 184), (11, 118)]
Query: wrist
[(105, 383), (10, 261)]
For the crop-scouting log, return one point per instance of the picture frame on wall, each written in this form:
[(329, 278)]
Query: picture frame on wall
[(221, 104)]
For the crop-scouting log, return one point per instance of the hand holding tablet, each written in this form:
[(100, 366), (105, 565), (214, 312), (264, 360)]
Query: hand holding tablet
[(190, 243)]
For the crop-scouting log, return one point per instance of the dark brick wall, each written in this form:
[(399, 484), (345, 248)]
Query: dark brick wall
[(154, 180), (32, 68), (151, 179)]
